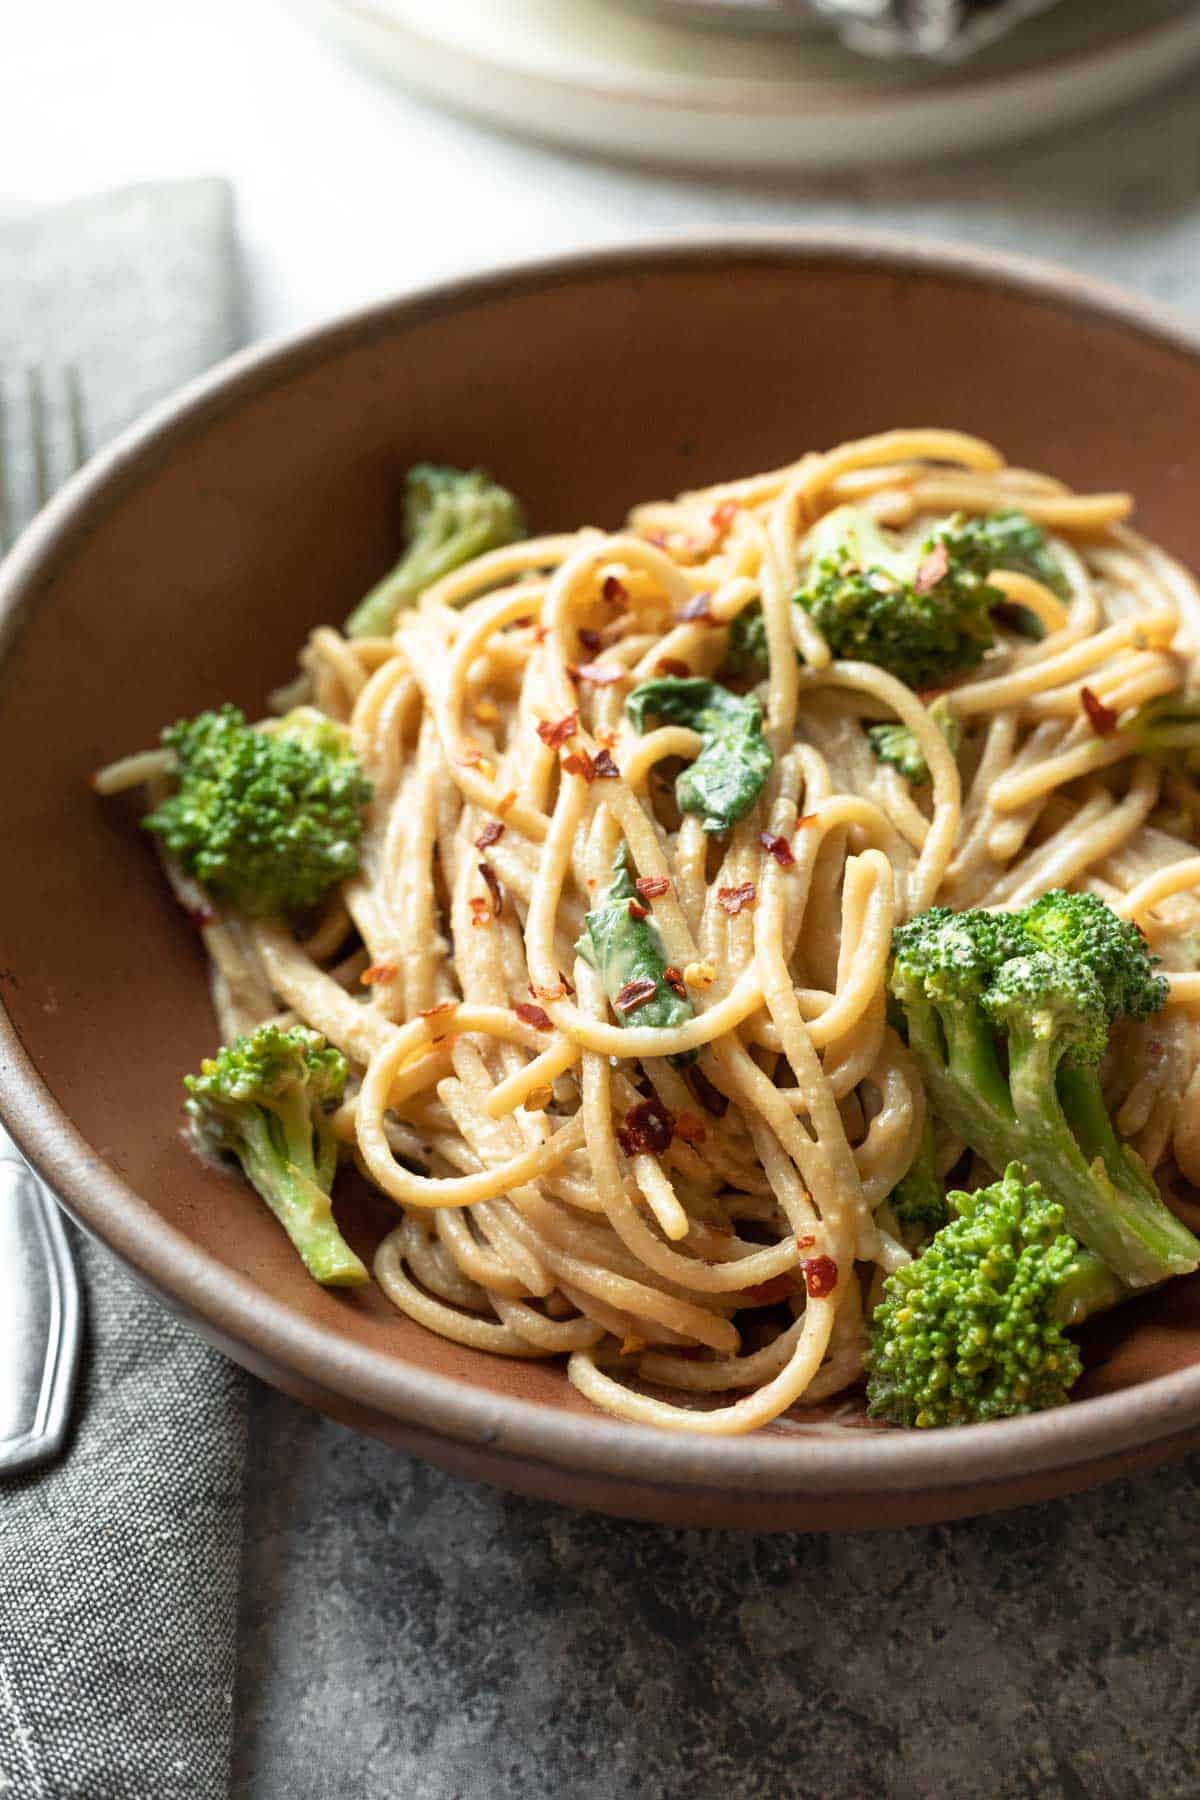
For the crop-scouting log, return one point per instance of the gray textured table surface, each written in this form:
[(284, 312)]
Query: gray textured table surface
[(406, 1634)]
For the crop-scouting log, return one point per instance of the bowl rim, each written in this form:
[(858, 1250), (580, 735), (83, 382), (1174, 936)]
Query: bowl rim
[(262, 1332)]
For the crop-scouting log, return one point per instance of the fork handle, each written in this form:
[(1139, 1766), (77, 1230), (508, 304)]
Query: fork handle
[(41, 1321)]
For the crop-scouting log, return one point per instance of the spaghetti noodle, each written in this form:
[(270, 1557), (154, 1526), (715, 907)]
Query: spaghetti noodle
[(698, 1211)]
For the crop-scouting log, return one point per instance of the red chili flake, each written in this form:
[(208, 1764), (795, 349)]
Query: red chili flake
[(777, 847), (556, 732), (434, 1012), (722, 517), (689, 1128), (1101, 718), (492, 832), (820, 1276), (637, 910), (533, 1015), (580, 763), (589, 639), (596, 674), (635, 993), (674, 980), (932, 570), (805, 1243), (541, 634), (651, 886), (734, 900), (698, 607), (494, 888), (505, 803), (647, 1127), (770, 1293), (614, 591), (711, 1098), (808, 819), (481, 910), (604, 765), (377, 973), (672, 665)]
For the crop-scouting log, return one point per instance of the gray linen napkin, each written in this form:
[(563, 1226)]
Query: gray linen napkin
[(119, 1566)]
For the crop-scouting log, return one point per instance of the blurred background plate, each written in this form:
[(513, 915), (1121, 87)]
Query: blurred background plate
[(594, 76)]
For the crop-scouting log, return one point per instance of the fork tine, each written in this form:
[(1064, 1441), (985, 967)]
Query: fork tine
[(77, 418), (43, 439), (42, 486)]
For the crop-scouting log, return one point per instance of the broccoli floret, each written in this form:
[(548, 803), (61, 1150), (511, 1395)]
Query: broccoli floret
[(266, 820), (262, 1099), (974, 1329), (895, 744), (1082, 928), (1008, 1016), (1008, 540), (451, 516), (921, 615)]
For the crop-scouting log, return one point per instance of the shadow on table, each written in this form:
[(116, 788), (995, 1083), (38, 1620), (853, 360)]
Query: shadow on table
[(409, 1636)]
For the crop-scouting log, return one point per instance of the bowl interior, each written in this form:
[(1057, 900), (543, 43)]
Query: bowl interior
[(195, 572)]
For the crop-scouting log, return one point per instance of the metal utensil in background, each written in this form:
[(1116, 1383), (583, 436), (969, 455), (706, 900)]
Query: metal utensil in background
[(42, 441)]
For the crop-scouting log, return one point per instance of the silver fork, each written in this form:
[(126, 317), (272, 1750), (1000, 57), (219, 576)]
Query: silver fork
[(43, 439)]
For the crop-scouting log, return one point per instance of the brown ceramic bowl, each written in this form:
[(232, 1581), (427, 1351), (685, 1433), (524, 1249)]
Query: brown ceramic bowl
[(187, 563)]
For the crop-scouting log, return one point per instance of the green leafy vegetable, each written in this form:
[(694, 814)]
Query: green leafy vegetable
[(728, 775), (746, 653), (628, 954), (1168, 726), (262, 1099), (451, 516)]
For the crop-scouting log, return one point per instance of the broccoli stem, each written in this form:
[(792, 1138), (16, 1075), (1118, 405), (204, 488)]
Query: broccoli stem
[(1113, 1209), (1110, 1205), (377, 612), (1090, 1288), (293, 1195)]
